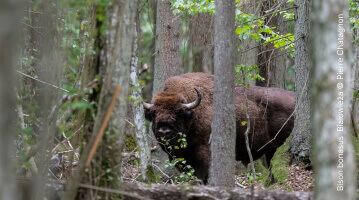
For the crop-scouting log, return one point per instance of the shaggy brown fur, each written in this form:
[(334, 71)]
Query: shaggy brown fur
[(269, 109)]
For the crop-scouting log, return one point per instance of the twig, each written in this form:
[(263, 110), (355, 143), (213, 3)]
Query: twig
[(130, 123), (103, 125), (240, 185), (109, 190), (66, 141), (200, 196), (268, 14), (36, 12), (53, 174), (34, 29), (159, 169), (102, 189), (42, 81), (248, 129)]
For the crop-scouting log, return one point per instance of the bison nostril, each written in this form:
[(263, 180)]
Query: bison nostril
[(164, 130)]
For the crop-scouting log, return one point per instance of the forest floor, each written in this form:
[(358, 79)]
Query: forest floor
[(299, 178), (288, 177)]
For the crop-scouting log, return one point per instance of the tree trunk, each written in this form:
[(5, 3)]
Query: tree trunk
[(138, 111), (201, 41), (117, 74), (8, 32), (302, 133), (248, 54), (49, 55), (168, 61), (224, 117), (334, 165), (271, 63)]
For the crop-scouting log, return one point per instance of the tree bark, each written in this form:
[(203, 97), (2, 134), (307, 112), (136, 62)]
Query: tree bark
[(224, 117), (138, 112), (248, 54), (168, 61), (334, 165), (271, 63), (201, 34), (300, 144), (8, 31)]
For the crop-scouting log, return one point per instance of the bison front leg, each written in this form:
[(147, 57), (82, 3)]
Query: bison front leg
[(199, 158), (269, 155)]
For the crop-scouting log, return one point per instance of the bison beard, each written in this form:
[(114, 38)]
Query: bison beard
[(179, 109)]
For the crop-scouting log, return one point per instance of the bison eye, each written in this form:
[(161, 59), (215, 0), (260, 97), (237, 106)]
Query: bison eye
[(150, 115), (185, 114)]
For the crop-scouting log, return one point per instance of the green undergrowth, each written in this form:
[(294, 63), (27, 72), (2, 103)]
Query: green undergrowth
[(150, 175), (260, 168), (130, 143)]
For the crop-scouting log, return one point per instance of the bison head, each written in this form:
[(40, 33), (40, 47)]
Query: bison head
[(170, 114)]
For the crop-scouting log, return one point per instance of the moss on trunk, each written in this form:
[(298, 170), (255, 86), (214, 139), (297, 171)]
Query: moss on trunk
[(279, 165)]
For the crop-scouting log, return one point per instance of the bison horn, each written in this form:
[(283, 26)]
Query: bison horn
[(147, 105), (195, 103)]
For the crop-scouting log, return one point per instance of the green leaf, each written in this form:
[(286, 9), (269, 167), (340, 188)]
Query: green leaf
[(81, 105), (239, 31), (28, 131), (246, 26)]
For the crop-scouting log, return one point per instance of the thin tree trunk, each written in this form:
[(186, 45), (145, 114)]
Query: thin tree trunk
[(334, 165), (224, 117), (302, 133), (248, 128), (138, 112)]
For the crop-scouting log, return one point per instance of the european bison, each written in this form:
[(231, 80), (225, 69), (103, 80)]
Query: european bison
[(180, 108)]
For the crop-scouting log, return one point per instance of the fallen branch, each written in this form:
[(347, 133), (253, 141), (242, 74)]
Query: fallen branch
[(182, 192), (103, 125), (186, 192)]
